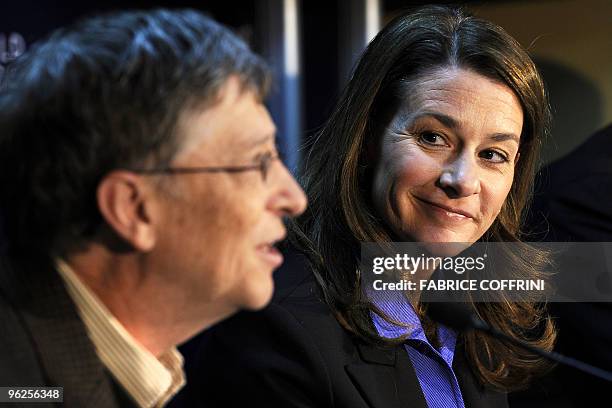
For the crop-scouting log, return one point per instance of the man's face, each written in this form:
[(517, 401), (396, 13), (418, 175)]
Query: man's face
[(217, 230)]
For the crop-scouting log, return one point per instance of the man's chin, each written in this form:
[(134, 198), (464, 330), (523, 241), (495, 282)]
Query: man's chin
[(259, 297)]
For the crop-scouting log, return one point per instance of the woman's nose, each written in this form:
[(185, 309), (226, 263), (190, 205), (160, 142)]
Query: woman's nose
[(460, 178)]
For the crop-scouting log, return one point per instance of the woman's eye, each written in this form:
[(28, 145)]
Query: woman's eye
[(431, 138), (493, 156)]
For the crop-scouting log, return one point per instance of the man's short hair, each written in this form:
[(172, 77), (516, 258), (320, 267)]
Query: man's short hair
[(103, 94)]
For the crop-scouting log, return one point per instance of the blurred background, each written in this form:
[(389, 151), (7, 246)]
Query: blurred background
[(313, 44)]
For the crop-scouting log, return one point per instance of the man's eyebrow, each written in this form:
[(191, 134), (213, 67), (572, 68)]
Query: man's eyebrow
[(253, 143)]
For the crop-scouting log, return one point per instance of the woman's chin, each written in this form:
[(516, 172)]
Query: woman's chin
[(441, 242), (444, 249)]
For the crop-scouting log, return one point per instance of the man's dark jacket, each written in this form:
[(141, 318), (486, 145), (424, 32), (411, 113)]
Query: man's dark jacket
[(43, 341)]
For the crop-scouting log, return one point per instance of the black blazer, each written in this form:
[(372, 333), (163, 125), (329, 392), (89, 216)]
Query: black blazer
[(43, 341), (572, 203), (294, 353)]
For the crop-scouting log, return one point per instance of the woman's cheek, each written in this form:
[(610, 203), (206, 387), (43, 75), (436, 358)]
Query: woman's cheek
[(418, 169), (494, 193)]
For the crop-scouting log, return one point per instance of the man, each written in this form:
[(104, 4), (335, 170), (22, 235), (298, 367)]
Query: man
[(142, 196)]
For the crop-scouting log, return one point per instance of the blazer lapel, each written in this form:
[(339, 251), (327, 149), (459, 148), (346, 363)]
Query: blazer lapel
[(65, 352), (386, 378), (474, 394)]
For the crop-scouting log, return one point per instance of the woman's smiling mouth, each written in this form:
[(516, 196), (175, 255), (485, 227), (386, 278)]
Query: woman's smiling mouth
[(448, 212)]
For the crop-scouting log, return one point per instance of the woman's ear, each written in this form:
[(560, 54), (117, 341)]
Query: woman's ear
[(125, 203)]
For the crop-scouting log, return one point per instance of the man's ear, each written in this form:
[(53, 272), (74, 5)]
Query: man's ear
[(125, 202)]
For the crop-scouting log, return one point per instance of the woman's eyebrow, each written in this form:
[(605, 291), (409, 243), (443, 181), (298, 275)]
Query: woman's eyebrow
[(446, 120), (453, 124), (502, 137)]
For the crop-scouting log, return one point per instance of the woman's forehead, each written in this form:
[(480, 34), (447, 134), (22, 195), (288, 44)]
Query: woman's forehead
[(459, 94)]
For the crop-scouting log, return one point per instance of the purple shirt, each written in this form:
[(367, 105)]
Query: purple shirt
[(433, 366)]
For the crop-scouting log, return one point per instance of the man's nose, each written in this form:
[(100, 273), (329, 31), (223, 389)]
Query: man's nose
[(289, 198)]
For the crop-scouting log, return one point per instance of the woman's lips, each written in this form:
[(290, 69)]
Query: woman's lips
[(450, 213)]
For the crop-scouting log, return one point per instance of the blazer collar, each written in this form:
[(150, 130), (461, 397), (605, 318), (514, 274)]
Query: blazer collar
[(386, 378), (65, 352), (475, 395)]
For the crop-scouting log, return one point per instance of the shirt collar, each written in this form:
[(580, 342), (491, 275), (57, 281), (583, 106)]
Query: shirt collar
[(396, 306), (150, 381)]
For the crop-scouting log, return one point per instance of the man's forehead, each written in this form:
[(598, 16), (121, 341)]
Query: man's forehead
[(242, 124), (259, 140)]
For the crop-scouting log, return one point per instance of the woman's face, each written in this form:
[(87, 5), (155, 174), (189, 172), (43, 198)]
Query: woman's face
[(446, 161)]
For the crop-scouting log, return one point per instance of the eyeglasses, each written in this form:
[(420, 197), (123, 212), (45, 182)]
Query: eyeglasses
[(263, 165)]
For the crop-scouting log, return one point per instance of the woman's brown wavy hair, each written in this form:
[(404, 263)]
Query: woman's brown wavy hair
[(337, 178)]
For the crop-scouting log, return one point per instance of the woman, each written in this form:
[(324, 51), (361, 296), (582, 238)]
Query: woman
[(435, 139)]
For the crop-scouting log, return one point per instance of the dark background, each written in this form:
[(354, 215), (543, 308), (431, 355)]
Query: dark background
[(569, 40)]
